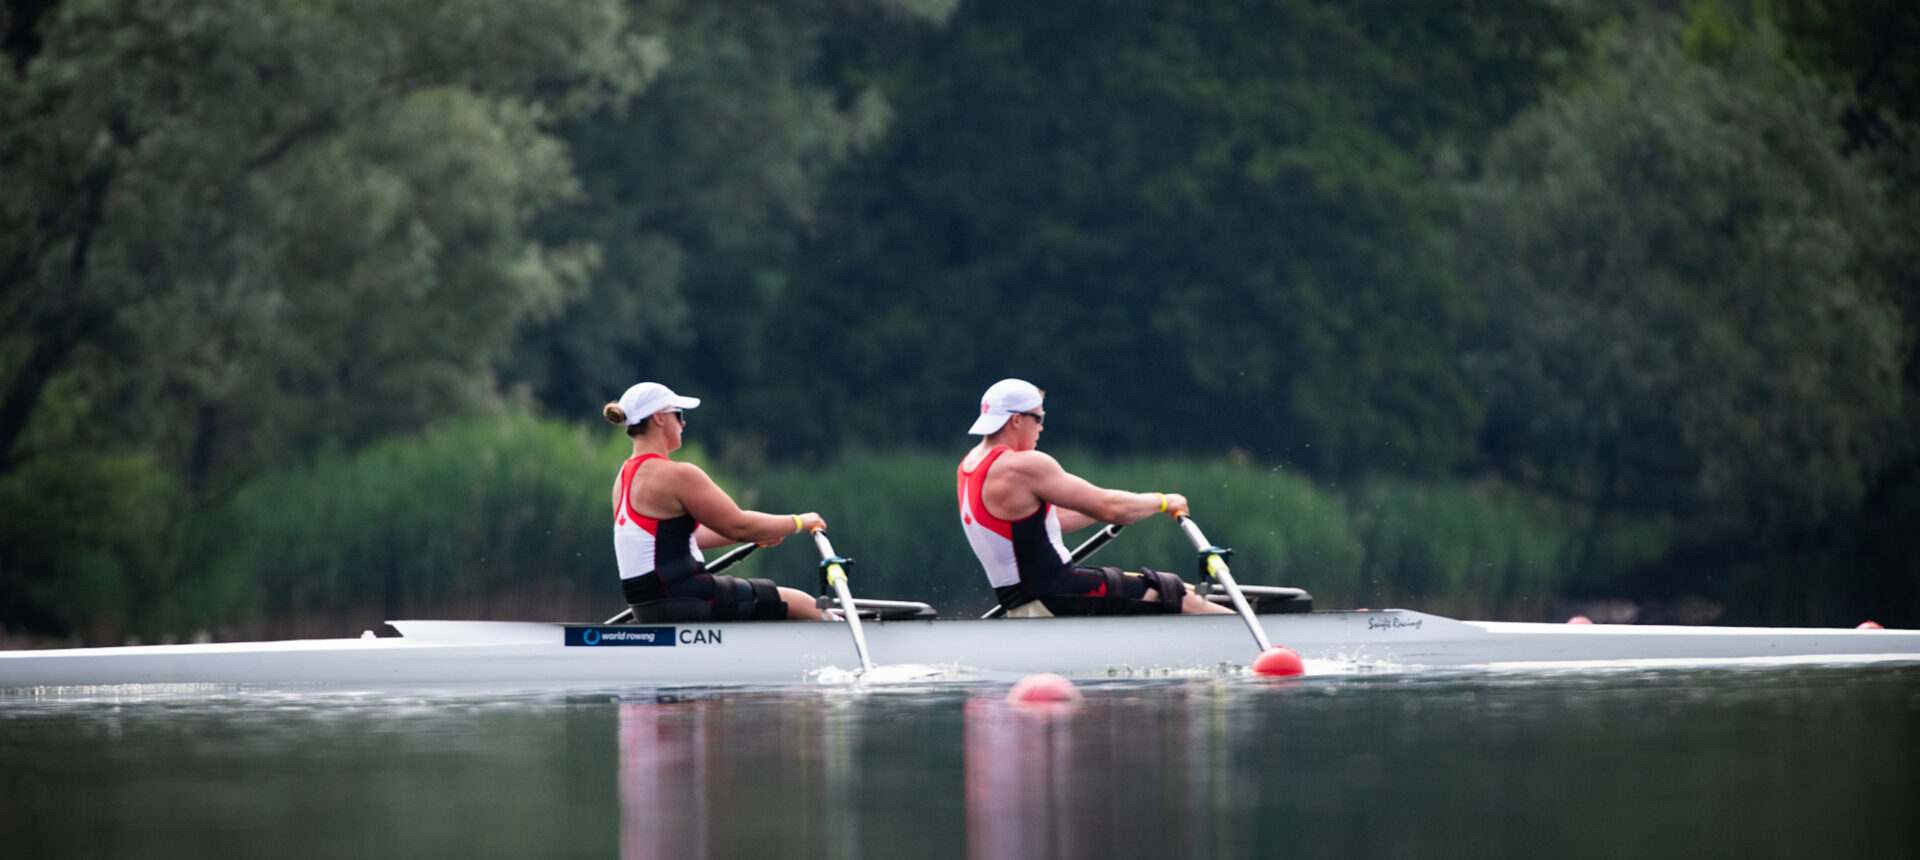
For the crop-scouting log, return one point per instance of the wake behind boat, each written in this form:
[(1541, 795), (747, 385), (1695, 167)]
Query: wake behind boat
[(540, 654)]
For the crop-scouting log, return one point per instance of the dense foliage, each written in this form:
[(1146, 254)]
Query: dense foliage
[(1223, 209)]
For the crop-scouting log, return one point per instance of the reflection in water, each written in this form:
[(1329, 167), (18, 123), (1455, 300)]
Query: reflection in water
[(1803, 762), (724, 775), (734, 775), (663, 755), (1101, 778)]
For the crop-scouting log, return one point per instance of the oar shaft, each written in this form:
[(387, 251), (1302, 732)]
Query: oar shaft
[(1093, 544), (733, 557), (1194, 536), (837, 578), (1217, 568)]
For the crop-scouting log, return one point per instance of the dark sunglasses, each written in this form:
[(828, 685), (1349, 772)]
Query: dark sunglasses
[(680, 415), (1039, 418)]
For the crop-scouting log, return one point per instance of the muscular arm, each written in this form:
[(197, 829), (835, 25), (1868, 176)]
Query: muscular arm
[(721, 520), (706, 538), (1020, 481)]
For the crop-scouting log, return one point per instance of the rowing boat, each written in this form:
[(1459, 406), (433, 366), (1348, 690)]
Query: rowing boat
[(541, 654)]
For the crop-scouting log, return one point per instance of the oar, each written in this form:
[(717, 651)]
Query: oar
[(1217, 568), (719, 564), (837, 577), (1090, 546), (1093, 544)]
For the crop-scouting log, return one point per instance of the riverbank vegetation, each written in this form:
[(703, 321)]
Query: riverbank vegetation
[(306, 309)]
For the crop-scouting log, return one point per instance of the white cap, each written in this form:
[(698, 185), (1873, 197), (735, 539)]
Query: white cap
[(641, 401), (1001, 401)]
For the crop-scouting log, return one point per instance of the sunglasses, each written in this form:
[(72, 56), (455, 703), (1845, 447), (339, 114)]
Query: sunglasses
[(680, 415), (1039, 418)]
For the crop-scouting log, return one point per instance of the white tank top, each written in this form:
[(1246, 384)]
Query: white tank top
[(1030, 546), (642, 544)]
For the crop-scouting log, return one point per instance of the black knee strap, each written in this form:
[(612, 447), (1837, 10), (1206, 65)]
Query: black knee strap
[(767, 605), (758, 601), (1172, 590)]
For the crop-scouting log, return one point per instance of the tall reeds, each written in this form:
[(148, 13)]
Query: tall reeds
[(508, 518)]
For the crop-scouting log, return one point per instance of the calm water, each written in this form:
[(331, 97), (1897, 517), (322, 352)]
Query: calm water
[(1777, 762)]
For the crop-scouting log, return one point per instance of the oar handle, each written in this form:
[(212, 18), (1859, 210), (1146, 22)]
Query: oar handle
[(835, 570), (1216, 565)]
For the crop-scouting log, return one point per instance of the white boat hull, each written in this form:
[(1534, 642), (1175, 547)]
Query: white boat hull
[(588, 655)]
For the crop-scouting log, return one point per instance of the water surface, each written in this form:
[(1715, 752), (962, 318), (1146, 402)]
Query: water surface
[(1798, 761)]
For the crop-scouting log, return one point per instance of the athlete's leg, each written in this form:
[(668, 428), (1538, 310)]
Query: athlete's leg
[(800, 605)]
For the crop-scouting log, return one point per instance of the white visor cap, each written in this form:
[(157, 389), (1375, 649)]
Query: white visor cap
[(1002, 400), (641, 401)]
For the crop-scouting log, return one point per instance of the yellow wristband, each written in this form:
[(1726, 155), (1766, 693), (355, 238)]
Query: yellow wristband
[(1163, 502), (797, 524)]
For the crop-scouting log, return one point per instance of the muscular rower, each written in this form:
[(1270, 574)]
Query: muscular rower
[(1015, 501)]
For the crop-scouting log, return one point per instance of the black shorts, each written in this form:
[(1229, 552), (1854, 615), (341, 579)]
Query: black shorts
[(705, 597), (1087, 590)]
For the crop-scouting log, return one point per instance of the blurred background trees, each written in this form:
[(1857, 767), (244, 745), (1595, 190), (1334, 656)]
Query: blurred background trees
[(1634, 282)]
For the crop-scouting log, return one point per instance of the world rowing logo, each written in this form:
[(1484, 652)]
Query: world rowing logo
[(611, 637)]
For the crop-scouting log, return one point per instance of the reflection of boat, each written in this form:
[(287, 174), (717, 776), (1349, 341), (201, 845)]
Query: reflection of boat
[(555, 654)]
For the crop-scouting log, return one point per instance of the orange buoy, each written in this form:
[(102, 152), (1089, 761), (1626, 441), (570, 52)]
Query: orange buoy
[(1869, 625), (1579, 619), (1044, 687), (1278, 660)]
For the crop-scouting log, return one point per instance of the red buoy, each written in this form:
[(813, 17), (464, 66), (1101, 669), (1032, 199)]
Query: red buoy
[(1278, 660), (1579, 619), (1044, 687), (1869, 625)]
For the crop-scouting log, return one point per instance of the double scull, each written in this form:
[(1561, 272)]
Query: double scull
[(597, 655)]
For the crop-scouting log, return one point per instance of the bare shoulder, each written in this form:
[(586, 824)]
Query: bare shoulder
[(678, 473), (1031, 463)]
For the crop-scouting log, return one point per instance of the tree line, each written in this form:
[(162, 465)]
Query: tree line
[(1655, 260)]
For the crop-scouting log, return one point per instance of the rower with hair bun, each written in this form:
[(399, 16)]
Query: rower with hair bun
[(665, 512)]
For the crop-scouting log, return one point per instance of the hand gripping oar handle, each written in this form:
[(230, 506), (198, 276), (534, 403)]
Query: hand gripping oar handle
[(1216, 565), (835, 569), (732, 558), (1080, 553)]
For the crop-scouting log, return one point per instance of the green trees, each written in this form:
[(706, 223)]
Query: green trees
[(234, 228), (698, 189), (1689, 307), (1223, 209), (232, 232)]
